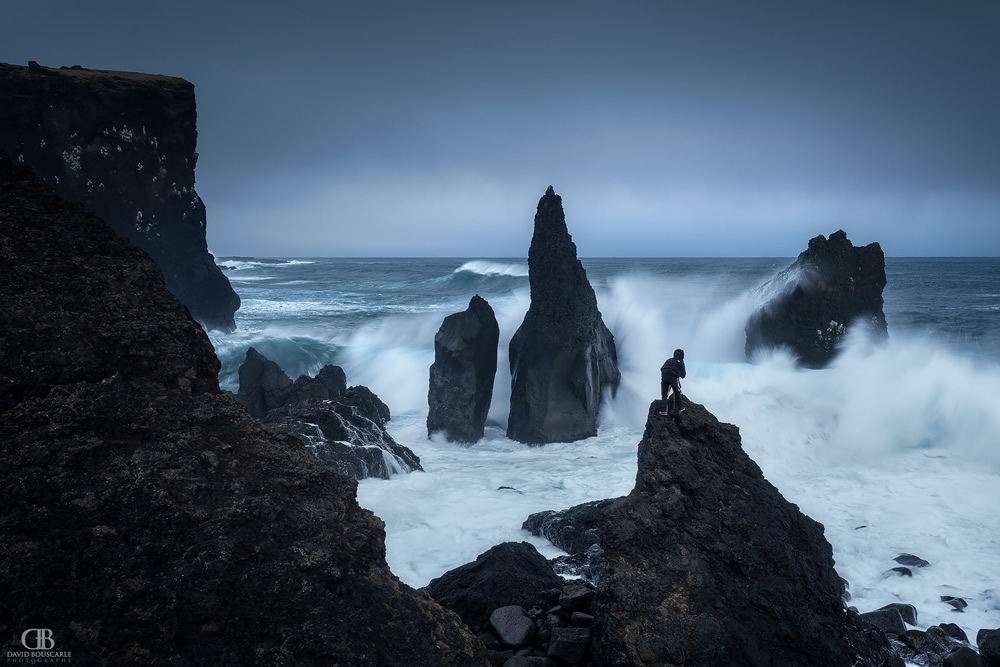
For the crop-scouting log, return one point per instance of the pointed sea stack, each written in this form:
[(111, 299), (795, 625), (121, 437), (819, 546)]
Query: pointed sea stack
[(461, 377), (832, 288), (124, 145), (562, 356)]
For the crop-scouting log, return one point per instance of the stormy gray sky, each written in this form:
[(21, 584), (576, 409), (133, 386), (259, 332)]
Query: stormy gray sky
[(669, 128)]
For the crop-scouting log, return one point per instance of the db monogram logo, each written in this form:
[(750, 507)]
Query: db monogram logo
[(38, 639)]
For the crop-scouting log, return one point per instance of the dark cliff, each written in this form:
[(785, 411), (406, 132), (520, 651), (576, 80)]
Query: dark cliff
[(461, 377), (147, 518), (123, 144), (830, 289), (562, 356)]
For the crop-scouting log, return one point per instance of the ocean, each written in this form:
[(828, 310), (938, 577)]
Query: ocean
[(894, 449)]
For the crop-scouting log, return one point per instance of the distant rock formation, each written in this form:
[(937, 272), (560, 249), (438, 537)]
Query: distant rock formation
[(147, 519), (123, 144), (809, 307), (461, 377), (562, 356), (707, 564), (344, 426)]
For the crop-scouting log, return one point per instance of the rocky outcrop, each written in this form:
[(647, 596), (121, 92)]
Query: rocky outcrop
[(147, 518), (344, 426), (706, 563), (510, 573), (123, 144), (562, 357), (832, 288), (461, 377)]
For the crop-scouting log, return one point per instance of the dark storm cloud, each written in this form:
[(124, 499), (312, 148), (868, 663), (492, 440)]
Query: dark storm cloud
[(735, 128)]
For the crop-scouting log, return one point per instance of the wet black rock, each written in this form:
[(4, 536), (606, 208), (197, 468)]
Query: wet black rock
[(562, 357), (124, 145), (344, 426), (988, 642), (706, 563), (511, 573), (147, 518), (887, 619), (513, 626), (957, 604), (832, 288), (963, 656), (461, 377), (911, 560), (906, 611)]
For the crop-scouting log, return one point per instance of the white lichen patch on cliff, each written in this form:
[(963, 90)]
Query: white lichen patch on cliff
[(41, 144), (138, 166), (126, 134), (71, 158), (104, 151)]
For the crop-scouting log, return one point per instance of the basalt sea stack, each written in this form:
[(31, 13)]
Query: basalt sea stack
[(832, 288), (146, 517), (562, 356), (461, 377), (123, 144)]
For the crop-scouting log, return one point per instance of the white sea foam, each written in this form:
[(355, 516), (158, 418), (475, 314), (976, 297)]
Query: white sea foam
[(901, 439), (488, 268)]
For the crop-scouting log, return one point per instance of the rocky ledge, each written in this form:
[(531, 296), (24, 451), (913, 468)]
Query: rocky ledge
[(147, 518), (704, 562), (123, 144)]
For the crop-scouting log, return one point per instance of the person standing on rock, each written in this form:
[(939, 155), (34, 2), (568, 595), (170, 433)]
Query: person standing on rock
[(671, 373)]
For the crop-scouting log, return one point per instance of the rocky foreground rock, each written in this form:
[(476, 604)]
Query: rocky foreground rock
[(707, 564), (146, 517), (124, 144), (832, 288), (563, 356), (461, 377), (344, 426)]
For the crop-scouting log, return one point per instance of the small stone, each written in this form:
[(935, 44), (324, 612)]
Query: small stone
[(576, 597), (897, 572), (569, 645), (581, 620), (957, 604), (911, 560)]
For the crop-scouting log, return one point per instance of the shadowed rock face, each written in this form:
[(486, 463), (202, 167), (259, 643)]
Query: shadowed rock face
[(562, 356), (123, 144), (147, 518), (461, 377), (829, 290), (708, 564), (344, 426)]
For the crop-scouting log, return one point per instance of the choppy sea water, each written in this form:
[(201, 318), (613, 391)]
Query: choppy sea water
[(893, 449)]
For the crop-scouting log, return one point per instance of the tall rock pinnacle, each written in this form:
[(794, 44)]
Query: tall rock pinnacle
[(562, 356)]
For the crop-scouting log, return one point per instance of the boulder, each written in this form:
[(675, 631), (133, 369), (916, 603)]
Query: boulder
[(887, 619), (832, 288), (513, 626), (988, 642), (510, 573), (344, 426), (562, 357), (963, 656), (124, 145), (906, 611), (569, 645), (708, 564), (461, 377), (179, 530)]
